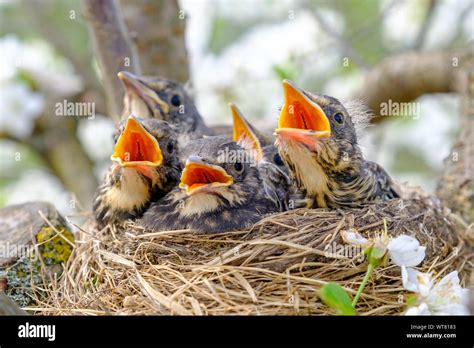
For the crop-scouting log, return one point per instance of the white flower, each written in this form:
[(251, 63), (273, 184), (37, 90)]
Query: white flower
[(403, 250), (52, 74), (406, 251), (446, 297), (19, 107), (415, 281)]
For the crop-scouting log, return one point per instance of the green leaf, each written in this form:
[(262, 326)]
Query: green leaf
[(334, 296)]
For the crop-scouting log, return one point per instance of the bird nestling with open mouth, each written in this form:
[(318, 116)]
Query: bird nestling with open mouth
[(247, 136), (162, 99), (223, 187), (316, 137), (145, 167), (272, 167)]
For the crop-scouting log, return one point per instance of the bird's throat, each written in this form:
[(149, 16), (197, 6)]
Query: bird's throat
[(310, 176), (132, 192)]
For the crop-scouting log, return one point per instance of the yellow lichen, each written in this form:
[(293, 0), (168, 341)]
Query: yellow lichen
[(53, 246)]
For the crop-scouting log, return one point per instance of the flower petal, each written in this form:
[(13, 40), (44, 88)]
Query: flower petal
[(406, 251), (422, 309), (448, 296), (353, 237), (409, 279)]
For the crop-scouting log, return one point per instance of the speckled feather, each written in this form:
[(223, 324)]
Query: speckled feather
[(253, 195), (336, 174)]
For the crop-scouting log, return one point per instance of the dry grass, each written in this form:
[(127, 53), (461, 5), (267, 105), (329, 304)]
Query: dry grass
[(274, 268)]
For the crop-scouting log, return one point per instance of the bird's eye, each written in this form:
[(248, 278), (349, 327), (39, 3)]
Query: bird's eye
[(238, 167), (176, 100), (277, 159), (339, 118), (169, 147)]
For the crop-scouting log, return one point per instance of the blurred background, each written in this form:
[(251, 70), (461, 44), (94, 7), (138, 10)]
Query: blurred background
[(234, 51)]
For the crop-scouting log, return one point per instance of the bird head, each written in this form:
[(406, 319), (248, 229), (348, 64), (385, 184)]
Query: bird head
[(145, 167), (316, 126), (217, 172), (149, 147), (159, 98)]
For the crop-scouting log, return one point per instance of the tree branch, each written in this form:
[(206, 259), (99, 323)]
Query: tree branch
[(407, 76), (158, 32), (113, 48), (54, 140), (456, 186)]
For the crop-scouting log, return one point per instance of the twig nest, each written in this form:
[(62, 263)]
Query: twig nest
[(274, 268)]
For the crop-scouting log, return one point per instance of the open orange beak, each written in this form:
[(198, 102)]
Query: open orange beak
[(136, 147), (301, 119), (135, 87), (199, 176), (244, 134)]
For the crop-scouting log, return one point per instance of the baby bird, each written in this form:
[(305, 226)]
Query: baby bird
[(272, 167), (265, 154), (221, 189), (145, 167), (247, 136), (316, 138), (162, 99)]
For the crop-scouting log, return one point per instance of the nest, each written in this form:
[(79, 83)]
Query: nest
[(274, 268)]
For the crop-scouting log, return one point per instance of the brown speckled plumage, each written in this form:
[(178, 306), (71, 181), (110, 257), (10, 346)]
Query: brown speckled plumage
[(162, 99), (252, 195), (333, 172), (126, 192)]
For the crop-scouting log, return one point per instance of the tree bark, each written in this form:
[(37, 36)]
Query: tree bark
[(157, 28), (8, 307), (19, 224), (113, 48), (36, 242)]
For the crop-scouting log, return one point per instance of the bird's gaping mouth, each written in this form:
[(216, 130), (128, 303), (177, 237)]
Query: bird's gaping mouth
[(134, 87), (301, 119), (243, 133), (199, 176), (137, 147)]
